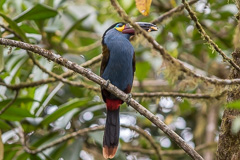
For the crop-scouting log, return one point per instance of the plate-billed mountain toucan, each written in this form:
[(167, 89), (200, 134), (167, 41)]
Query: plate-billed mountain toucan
[(118, 67)]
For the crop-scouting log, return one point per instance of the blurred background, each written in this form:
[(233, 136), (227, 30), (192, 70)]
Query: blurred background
[(42, 111)]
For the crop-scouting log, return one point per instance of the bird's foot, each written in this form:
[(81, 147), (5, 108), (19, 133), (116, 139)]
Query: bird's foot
[(129, 98), (107, 83)]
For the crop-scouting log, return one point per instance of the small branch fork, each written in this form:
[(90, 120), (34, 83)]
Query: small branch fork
[(10, 103), (206, 37)]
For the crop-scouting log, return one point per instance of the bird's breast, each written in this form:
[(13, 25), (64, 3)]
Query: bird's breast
[(119, 69)]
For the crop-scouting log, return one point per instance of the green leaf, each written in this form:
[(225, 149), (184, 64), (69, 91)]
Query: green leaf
[(75, 25), (15, 27), (4, 125), (23, 156), (44, 139), (10, 150), (234, 105), (63, 109), (15, 114), (97, 136), (1, 4), (73, 150), (142, 69), (28, 29), (185, 107), (38, 12), (34, 157), (17, 102), (1, 58)]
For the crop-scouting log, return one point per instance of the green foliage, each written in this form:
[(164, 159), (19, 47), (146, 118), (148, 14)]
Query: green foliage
[(1, 59), (14, 26), (38, 12), (234, 104), (49, 111), (142, 70), (64, 108)]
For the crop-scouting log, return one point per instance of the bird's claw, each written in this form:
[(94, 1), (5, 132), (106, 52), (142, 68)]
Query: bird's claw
[(107, 83), (129, 98)]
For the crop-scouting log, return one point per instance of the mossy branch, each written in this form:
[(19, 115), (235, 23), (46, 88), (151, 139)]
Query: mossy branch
[(207, 37)]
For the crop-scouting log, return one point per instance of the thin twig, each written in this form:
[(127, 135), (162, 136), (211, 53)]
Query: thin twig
[(155, 146), (35, 61), (64, 138), (171, 12), (207, 38), (82, 132), (10, 103), (214, 33), (171, 153), (86, 64), (176, 94), (97, 89), (85, 48), (11, 31)]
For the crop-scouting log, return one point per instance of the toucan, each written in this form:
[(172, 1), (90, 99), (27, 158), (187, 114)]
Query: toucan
[(117, 67)]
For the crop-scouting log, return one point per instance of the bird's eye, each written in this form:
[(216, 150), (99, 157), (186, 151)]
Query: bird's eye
[(119, 25)]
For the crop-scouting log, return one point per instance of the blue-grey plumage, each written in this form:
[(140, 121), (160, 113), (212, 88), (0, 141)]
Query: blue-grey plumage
[(118, 66), (119, 69)]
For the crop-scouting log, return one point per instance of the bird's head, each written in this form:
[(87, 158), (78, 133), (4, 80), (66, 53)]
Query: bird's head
[(126, 28)]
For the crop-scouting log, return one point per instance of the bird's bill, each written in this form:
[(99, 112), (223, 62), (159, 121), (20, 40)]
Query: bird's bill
[(128, 29), (147, 26)]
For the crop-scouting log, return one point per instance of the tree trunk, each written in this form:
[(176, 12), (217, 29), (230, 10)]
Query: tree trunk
[(229, 143)]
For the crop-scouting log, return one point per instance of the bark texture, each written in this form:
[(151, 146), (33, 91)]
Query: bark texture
[(229, 143)]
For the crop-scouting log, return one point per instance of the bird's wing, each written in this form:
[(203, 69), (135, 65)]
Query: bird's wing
[(105, 58)]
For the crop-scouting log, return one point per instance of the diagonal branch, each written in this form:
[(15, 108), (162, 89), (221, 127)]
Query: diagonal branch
[(111, 88), (207, 38), (64, 138), (177, 94), (10, 103)]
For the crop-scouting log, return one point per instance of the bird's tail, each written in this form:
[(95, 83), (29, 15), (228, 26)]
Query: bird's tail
[(111, 133)]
